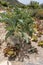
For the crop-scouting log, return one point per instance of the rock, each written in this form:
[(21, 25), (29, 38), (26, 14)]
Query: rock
[(5, 63)]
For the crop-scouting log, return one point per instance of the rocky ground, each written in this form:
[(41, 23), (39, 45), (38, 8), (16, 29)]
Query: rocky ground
[(34, 59)]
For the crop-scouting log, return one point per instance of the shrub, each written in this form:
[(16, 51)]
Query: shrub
[(18, 22), (4, 3), (39, 14), (34, 4)]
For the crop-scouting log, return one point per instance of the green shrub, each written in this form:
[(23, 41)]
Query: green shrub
[(18, 22), (34, 5), (4, 3)]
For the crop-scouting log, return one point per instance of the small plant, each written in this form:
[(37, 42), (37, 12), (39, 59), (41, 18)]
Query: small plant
[(35, 38), (40, 43), (11, 51)]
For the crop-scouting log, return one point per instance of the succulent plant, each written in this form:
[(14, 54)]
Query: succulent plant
[(40, 43)]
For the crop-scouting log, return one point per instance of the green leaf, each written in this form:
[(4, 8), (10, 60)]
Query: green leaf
[(9, 33)]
